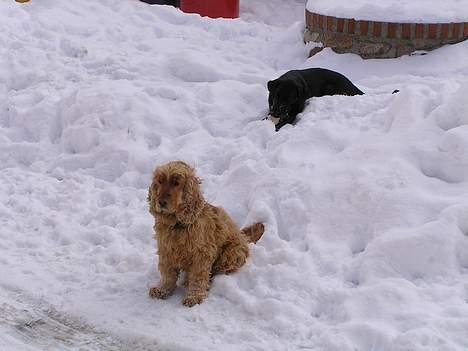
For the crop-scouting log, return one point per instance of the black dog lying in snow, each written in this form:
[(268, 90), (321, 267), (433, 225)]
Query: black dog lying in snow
[(289, 92)]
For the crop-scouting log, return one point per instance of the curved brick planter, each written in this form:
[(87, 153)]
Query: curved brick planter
[(372, 39)]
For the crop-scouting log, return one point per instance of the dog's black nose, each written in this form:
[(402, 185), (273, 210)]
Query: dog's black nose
[(162, 203)]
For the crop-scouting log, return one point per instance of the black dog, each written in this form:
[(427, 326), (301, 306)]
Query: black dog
[(289, 92)]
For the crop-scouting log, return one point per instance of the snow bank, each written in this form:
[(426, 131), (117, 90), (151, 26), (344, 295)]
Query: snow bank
[(365, 200), (432, 11)]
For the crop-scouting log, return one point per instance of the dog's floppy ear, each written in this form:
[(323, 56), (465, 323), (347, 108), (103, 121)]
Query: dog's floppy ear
[(192, 199), (149, 198), (271, 84), (192, 194)]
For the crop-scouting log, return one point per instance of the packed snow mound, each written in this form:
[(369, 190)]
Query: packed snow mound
[(364, 200), (394, 10)]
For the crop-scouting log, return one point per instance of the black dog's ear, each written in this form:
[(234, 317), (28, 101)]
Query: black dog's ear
[(271, 85)]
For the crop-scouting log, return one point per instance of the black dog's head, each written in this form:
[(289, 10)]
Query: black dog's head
[(284, 94)]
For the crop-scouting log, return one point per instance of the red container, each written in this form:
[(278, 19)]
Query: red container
[(212, 8)]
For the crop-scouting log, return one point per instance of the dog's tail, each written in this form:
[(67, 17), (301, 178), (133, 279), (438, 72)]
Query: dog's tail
[(253, 232)]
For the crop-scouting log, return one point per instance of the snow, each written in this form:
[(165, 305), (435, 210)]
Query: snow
[(365, 200), (421, 11), (267, 11)]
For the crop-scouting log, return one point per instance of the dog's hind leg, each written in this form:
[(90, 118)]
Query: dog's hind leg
[(233, 256)]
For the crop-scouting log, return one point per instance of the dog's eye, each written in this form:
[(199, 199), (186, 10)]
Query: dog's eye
[(175, 183), (160, 181)]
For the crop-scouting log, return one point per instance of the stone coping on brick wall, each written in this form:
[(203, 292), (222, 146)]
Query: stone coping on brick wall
[(375, 39)]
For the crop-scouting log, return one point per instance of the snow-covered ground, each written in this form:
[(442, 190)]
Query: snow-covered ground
[(365, 200), (276, 13), (425, 11)]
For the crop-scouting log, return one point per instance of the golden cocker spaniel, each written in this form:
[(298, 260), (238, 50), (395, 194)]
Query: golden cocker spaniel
[(192, 235)]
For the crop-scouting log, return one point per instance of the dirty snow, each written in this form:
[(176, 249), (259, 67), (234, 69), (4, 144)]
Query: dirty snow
[(365, 200)]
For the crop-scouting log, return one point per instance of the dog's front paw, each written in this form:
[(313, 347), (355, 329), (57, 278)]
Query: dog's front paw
[(193, 300), (158, 293)]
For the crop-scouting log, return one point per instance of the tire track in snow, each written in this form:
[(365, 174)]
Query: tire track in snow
[(42, 326)]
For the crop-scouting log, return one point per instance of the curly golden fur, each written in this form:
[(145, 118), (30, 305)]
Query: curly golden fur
[(192, 235)]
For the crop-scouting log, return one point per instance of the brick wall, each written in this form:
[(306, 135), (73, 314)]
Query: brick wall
[(372, 39)]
